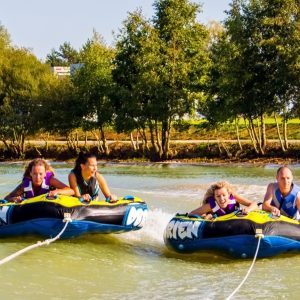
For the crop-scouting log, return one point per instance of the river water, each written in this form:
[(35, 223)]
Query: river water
[(137, 264)]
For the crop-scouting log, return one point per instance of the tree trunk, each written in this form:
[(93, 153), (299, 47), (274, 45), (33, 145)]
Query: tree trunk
[(250, 131), (137, 141), (71, 142), (46, 140), (238, 134), (77, 139), (144, 145), (132, 141), (228, 153), (278, 133), (166, 139), (285, 133), (38, 151), (257, 137), (99, 144), (263, 133), (103, 139), (152, 129), (145, 139), (218, 141), (8, 148), (159, 150), (22, 144), (85, 139)]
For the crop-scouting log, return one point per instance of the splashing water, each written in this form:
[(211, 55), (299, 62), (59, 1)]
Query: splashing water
[(150, 237)]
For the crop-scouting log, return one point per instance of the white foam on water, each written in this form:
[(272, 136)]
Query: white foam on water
[(252, 192), (152, 233), (169, 193)]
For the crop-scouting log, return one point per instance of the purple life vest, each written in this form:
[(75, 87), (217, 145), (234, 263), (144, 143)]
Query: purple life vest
[(45, 187), (231, 206)]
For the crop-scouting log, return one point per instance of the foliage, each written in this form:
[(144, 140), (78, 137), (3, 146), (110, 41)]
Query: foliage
[(60, 109), (160, 69), (255, 68), (184, 55), (93, 82), (237, 75), (22, 79), (65, 56), (137, 57)]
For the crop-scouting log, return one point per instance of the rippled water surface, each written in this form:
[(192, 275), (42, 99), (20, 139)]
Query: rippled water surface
[(137, 264)]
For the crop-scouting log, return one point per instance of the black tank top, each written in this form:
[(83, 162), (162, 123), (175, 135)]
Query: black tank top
[(90, 187)]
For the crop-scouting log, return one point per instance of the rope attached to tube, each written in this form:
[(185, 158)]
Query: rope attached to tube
[(258, 235), (67, 219)]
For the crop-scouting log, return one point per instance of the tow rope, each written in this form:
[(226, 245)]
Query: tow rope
[(67, 219), (258, 235)]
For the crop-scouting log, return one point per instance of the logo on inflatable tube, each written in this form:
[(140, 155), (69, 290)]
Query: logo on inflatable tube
[(3, 214), (135, 217), (182, 230)]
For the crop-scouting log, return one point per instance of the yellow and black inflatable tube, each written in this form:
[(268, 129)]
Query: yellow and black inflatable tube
[(128, 213), (235, 234)]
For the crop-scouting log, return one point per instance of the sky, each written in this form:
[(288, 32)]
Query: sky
[(42, 25)]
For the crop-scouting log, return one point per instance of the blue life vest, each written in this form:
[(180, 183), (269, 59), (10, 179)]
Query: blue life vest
[(90, 187), (231, 206), (287, 204), (45, 187)]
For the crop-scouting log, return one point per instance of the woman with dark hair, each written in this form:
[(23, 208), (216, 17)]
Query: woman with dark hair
[(38, 179), (86, 181)]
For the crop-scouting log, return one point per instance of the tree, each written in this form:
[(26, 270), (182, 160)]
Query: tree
[(135, 73), (161, 68), (282, 37), (93, 81), (256, 74), (5, 46), (60, 110), (22, 77), (222, 87), (185, 61), (5, 41), (65, 56)]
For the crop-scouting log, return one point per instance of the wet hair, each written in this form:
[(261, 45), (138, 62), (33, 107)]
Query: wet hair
[(281, 168), (82, 159), (216, 186), (36, 162)]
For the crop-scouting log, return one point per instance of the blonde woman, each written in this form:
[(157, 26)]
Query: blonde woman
[(38, 179), (220, 199)]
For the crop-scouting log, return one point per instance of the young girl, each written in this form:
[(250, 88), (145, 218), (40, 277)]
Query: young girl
[(220, 199), (38, 179), (86, 181)]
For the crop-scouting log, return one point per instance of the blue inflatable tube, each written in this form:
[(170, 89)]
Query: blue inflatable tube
[(45, 217), (234, 234)]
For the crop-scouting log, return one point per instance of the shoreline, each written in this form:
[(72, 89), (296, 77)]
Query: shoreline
[(212, 162), (182, 153), (189, 162)]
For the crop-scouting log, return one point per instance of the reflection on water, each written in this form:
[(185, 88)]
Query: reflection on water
[(137, 264)]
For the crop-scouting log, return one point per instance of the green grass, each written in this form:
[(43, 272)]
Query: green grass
[(197, 129)]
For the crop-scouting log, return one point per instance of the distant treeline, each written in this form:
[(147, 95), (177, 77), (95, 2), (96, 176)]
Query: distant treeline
[(160, 72)]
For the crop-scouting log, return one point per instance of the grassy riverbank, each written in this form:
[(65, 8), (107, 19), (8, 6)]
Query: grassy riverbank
[(183, 151), (192, 141)]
